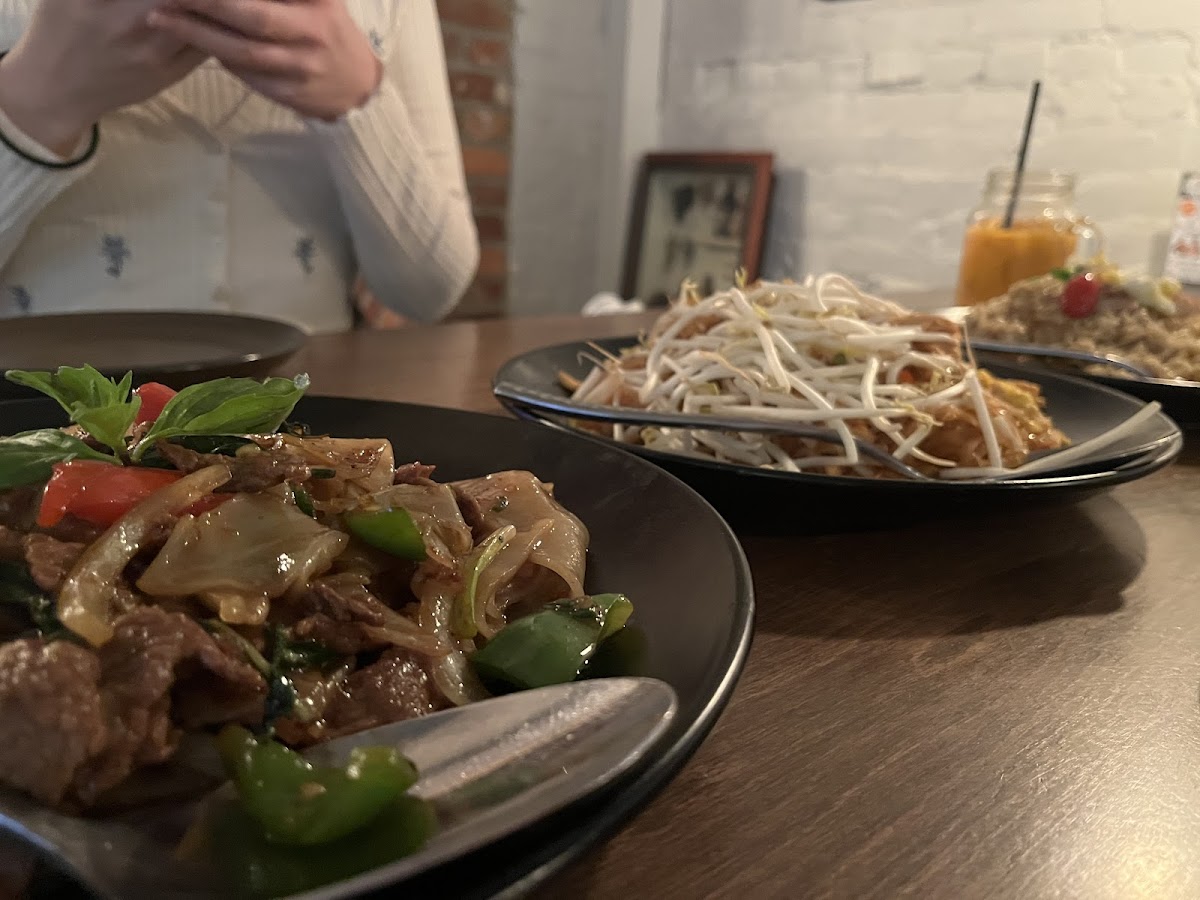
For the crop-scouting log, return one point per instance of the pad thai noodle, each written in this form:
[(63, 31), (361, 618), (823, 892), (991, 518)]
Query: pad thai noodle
[(178, 564), (821, 352)]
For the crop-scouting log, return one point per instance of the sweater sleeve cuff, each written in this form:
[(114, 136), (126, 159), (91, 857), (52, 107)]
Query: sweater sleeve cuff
[(24, 144), (27, 185)]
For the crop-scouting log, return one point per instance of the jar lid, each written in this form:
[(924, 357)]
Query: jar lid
[(1046, 184)]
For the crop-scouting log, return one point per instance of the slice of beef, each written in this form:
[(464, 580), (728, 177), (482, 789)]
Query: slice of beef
[(334, 611), (249, 474), (78, 722), (74, 530), (472, 512), (348, 600), (395, 688), (19, 507), (51, 713), (12, 545), (162, 671), (314, 692), (50, 560), (348, 638), (78, 432), (413, 473), (212, 682)]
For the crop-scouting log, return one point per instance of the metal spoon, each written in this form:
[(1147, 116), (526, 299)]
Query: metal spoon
[(487, 769), (1079, 356)]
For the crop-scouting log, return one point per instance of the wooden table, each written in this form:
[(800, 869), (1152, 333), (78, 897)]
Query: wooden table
[(997, 708)]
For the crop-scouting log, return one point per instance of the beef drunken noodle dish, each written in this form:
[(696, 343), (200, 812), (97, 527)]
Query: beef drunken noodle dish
[(187, 563)]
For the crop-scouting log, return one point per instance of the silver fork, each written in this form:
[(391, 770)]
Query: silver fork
[(539, 402), (700, 422), (1102, 359)]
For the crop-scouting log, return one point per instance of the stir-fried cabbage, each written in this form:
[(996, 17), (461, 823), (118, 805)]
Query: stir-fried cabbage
[(545, 559), (86, 599), (241, 555)]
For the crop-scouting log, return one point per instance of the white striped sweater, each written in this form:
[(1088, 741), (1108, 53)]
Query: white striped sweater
[(211, 197)]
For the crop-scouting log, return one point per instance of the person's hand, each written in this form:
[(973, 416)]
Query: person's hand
[(81, 59), (308, 55)]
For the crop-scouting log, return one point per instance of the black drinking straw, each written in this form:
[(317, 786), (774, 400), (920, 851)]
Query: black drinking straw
[(1019, 175)]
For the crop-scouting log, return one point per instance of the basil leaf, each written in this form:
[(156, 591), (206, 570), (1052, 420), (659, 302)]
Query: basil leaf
[(17, 588), (102, 407), (289, 655), (226, 406), (29, 458)]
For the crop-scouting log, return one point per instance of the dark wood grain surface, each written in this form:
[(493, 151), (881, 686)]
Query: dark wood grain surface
[(1002, 707)]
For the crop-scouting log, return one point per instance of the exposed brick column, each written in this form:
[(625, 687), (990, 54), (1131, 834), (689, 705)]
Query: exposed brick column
[(478, 36)]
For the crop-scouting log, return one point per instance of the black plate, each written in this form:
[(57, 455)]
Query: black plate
[(652, 537), (175, 348), (752, 496), (1180, 399)]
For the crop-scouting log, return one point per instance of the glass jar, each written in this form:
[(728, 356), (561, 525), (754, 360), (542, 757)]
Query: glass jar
[(1046, 234)]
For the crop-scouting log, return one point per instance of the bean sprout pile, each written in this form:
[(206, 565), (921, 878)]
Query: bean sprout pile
[(825, 353)]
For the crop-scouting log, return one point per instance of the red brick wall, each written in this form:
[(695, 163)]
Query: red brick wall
[(478, 36)]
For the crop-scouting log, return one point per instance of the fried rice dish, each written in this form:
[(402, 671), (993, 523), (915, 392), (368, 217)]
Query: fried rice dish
[(1094, 308)]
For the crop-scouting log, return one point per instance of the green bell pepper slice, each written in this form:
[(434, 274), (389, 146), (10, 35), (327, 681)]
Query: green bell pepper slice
[(300, 804), (228, 839), (304, 501), (390, 530), (551, 646)]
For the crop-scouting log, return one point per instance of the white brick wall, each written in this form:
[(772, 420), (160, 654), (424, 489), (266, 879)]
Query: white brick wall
[(563, 58), (885, 114)]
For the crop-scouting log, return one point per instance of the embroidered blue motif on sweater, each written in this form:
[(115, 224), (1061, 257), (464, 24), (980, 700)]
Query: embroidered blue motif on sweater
[(306, 251), (21, 297), (114, 249)]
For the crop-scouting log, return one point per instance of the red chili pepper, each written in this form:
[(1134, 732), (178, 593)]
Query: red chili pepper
[(1080, 296), (100, 492), (154, 397)]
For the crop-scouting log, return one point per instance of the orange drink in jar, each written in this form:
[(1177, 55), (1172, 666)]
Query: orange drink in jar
[(1046, 234)]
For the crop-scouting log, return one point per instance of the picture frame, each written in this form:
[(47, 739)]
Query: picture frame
[(697, 216)]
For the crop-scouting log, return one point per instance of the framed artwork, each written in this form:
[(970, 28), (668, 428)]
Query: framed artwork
[(697, 216)]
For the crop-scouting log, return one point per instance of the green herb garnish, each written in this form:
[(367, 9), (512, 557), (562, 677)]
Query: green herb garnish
[(105, 409), (17, 588), (29, 458), (284, 656), (226, 406)]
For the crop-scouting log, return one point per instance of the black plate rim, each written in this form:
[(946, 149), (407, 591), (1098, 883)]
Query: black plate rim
[(1015, 354), (291, 337), (1147, 463), (1171, 445), (617, 803), (622, 802), (1179, 397)]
